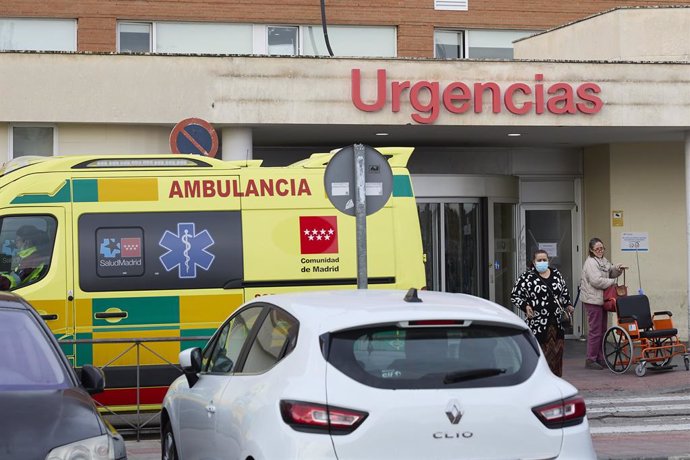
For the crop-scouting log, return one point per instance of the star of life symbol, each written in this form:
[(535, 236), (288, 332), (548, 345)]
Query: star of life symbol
[(186, 250), (110, 248)]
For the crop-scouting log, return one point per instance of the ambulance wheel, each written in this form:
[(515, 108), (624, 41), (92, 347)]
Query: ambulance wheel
[(168, 448), (662, 356), (641, 369), (618, 350)]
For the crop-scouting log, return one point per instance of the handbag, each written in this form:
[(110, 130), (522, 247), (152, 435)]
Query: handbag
[(564, 316), (610, 297), (621, 289)]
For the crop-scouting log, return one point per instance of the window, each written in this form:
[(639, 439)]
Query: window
[(228, 38), (222, 356), (156, 251), (275, 339), (282, 41), (21, 337), (350, 41), (200, 38), (27, 247), (493, 44), (135, 37), (38, 34), (449, 44), (439, 357), (184, 37), (37, 140)]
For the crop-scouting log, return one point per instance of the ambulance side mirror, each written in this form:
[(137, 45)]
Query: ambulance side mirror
[(190, 362)]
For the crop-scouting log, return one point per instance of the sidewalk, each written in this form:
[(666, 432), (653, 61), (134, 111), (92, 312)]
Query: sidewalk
[(672, 445), (606, 383)]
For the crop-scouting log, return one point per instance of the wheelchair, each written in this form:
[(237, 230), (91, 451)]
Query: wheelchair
[(643, 338)]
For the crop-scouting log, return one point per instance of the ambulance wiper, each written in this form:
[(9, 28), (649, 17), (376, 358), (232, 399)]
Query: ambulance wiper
[(461, 376)]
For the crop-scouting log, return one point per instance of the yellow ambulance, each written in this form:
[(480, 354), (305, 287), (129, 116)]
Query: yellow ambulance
[(161, 249)]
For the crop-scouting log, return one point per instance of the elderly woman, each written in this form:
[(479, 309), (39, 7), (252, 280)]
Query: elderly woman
[(542, 293), (597, 274)]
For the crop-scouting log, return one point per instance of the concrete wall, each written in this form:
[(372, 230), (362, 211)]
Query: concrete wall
[(596, 200), (162, 90), (647, 184), (646, 34)]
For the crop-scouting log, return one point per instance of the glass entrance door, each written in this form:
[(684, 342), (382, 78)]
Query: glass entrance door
[(452, 238), (502, 252), (550, 227)]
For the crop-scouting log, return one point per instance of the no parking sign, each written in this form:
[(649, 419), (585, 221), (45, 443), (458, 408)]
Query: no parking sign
[(196, 136)]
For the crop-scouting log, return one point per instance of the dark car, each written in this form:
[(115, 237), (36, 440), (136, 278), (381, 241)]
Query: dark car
[(46, 411)]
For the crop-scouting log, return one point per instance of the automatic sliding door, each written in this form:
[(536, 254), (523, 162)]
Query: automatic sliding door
[(429, 220), (451, 237), (462, 238), (550, 228)]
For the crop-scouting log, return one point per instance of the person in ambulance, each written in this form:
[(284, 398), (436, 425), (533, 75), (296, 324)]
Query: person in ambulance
[(30, 259)]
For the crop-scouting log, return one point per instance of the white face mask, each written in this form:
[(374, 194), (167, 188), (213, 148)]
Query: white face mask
[(541, 266)]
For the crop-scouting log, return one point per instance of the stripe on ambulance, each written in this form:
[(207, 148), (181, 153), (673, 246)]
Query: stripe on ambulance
[(127, 189), (152, 311), (62, 195), (144, 189), (402, 186)]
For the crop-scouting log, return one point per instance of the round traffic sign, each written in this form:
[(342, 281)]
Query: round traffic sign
[(339, 180), (194, 135)]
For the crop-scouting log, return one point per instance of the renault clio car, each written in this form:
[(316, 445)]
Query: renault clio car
[(46, 412), (372, 374)]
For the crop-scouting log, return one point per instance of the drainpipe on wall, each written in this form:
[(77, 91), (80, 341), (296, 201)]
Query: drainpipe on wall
[(687, 216)]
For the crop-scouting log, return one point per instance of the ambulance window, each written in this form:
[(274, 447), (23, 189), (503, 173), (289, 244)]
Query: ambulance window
[(27, 243)]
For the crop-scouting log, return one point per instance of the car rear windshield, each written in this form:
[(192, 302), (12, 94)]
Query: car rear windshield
[(28, 361), (472, 356)]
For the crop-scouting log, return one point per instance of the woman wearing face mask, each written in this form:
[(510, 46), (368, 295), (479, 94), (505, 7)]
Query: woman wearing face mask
[(597, 274), (542, 293)]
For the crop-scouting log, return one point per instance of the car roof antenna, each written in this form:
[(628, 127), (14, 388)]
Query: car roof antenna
[(411, 296)]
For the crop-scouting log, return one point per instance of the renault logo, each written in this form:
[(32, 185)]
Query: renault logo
[(453, 411)]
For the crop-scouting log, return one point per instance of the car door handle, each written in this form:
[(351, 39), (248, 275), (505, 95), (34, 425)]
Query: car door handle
[(48, 316), (111, 314), (211, 409)]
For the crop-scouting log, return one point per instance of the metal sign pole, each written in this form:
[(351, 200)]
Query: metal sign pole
[(361, 215)]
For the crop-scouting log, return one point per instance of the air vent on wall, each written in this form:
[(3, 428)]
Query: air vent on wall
[(453, 5)]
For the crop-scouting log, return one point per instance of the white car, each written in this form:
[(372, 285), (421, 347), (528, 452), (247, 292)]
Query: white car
[(372, 374)]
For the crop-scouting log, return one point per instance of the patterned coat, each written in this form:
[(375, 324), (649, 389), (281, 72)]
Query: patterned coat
[(531, 289)]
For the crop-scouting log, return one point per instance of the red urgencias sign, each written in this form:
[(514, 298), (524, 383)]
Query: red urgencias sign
[(428, 97)]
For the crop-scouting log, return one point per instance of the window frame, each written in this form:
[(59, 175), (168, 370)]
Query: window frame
[(287, 347), (10, 137), (152, 35), (74, 38), (53, 225), (465, 42)]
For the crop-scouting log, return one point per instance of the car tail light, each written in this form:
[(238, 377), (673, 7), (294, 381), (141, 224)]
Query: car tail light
[(320, 418), (562, 413)]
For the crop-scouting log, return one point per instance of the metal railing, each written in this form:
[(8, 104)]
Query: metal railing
[(136, 426)]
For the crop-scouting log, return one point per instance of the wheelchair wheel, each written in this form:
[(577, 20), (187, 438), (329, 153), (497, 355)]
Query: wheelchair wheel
[(641, 369), (661, 357), (618, 349)]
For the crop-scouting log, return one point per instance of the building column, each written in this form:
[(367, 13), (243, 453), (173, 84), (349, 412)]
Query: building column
[(237, 143), (687, 217)]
